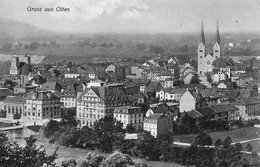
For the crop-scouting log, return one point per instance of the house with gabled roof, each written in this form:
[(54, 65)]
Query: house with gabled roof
[(190, 100), (158, 124)]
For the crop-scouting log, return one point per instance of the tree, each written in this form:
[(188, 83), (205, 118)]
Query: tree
[(130, 129), (195, 79), (17, 115), (91, 159), (51, 128), (209, 79), (117, 159), (187, 124), (249, 147), (108, 132), (218, 142), (140, 46), (7, 47), (12, 154), (146, 144), (156, 49), (203, 139), (227, 142), (2, 114), (34, 45)]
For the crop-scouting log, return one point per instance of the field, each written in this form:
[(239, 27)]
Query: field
[(236, 135)]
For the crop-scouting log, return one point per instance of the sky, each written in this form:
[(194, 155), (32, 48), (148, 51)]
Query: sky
[(160, 16)]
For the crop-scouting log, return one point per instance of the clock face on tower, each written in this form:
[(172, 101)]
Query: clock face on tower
[(208, 63)]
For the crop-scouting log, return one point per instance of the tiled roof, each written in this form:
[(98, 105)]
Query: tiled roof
[(224, 108), (38, 79), (206, 111), (6, 92), (155, 116), (15, 99), (42, 96), (50, 86), (247, 101), (194, 114)]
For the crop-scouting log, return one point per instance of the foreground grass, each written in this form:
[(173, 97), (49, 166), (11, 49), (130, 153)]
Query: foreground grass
[(236, 135)]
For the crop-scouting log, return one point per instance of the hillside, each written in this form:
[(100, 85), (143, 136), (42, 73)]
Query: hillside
[(11, 30)]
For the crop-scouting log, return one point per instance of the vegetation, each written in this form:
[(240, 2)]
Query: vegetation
[(117, 159), (35, 128), (2, 114), (3, 124), (195, 79), (17, 115), (105, 134), (12, 154), (203, 139)]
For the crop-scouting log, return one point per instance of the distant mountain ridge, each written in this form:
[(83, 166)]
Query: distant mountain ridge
[(11, 30)]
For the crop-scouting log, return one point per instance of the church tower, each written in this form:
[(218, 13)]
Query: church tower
[(27, 59), (201, 51), (216, 47), (14, 70)]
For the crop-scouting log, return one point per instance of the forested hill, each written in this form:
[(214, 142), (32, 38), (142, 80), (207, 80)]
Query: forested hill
[(11, 30)]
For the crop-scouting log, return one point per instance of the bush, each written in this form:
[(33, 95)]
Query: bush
[(17, 115), (203, 139), (249, 147), (2, 114), (117, 159)]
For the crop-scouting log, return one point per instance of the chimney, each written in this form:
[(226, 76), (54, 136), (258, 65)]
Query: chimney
[(197, 91)]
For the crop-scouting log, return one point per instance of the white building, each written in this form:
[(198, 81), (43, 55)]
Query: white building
[(130, 115)]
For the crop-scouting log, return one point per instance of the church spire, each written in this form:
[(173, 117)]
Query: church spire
[(217, 35), (202, 37)]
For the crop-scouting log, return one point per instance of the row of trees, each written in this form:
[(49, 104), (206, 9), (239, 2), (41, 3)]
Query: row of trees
[(30, 46), (117, 159), (15, 116), (12, 154), (107, 135)]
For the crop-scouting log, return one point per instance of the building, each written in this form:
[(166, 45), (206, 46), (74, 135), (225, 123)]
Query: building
[(69, 97), (21, 69), (14, 104), (42, 105), (130, 115), (96, 102), (205, 60), (248, 107), (5, 92), (158, 124), (190, 100), (75, 72), (51, 86), (170, 94)]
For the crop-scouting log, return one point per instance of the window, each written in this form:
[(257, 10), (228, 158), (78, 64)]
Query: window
[(201, 50), (216, 50)]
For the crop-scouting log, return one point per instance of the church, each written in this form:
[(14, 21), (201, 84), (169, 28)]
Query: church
[(21, 68), (205, 60)]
